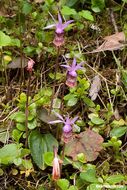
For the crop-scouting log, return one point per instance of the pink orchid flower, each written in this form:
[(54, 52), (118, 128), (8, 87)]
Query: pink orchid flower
[(59, 30), (71, 72)]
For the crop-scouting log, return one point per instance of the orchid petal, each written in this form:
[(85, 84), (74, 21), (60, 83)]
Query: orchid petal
[(59, 19), (66, 66), (74, 63), (49, 26), (67, 23), (79, 66), (68, 121), (56, 121), (74, 119), (58, 115)]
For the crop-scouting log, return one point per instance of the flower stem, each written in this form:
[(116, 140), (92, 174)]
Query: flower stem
[(27, 109), (56, 69)]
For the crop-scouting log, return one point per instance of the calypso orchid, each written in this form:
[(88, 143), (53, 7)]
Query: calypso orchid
[(56, 166), (59, 30), (67, 129), (71, 79), (30, 65)]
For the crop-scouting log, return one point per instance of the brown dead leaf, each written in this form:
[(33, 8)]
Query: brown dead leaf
[(87, 142), (16, 63), (95, 87), (112, 42)]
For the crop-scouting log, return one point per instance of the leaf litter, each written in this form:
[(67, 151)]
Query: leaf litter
[(89, 143), (113, 42), (95, 87)]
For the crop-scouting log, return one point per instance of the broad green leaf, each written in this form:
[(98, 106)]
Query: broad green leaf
[(50, 142), (37, 147), (40, 144), (5, 40), (118, 132), (9, 153), (89, 176), (87, 15), (97, 5), (113, 179), (97, 120), (94, 187), (18, 117), (72, 187), (48, 158), (63, 184), (68, 11)]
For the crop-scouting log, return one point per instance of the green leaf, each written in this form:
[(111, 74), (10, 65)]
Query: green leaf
[(70, 3), (63, 184), (48, 158), (18, 117), (27, 164), (16, 134), (73, 101), (94, 187), (5, 40), (89, 176), (20, 127), (58, 76), (27, 8), (15, 42), (125, 1), (88, 101), (18, 161), (113, 179), (87, 15), (40, 144), (118, 132), (9, 153), (97, 121), (68, 11), (23, 97), (72, 187), (32, 124), (97, 5)]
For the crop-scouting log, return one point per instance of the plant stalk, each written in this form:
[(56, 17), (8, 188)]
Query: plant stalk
[(27, 108), (56, 69)]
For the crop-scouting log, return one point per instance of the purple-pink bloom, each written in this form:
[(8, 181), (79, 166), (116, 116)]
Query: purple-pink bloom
[(71, 72), (67, 122), (59, 25), (59, 30), (30, 65)]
